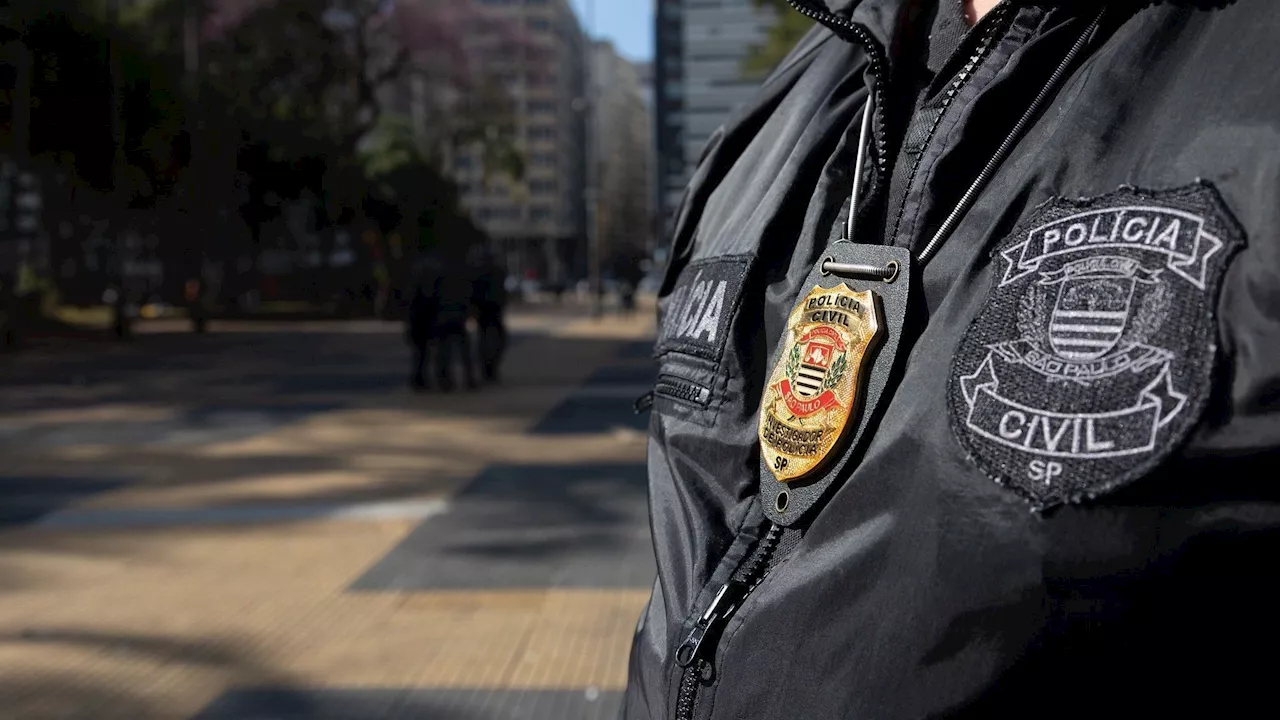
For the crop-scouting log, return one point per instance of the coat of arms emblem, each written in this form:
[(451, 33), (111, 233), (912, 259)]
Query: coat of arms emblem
[(1089, 315), (1092, 357), (814, 386)]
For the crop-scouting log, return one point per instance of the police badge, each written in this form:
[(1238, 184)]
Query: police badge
[(1091, 361), (815, 381)]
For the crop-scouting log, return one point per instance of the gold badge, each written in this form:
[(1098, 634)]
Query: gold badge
[(815, 382)]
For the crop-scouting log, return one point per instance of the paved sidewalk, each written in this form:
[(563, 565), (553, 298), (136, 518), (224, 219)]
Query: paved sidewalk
[(264, 523)]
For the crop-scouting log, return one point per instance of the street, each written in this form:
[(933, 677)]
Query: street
[(263, 522)]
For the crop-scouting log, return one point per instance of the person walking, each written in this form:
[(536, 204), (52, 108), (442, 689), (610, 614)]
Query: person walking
[(454, 291), (489, 300), (969, 373), (194, 294), (421, 321)]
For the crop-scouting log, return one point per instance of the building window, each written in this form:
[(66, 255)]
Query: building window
[(542, 132), (543, 159), (538, 23), (537, 79), (540, 213), (542, 187), (499, 213), (541, 106)]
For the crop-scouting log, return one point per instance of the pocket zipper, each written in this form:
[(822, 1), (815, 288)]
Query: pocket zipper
[(678, 388), (643, 403)]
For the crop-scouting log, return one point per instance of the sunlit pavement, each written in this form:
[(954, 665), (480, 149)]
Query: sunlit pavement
[(264, 523)]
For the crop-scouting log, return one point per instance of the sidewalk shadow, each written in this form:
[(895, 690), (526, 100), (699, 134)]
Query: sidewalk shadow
[(67, 694), (530, 526), (25, 499), (291, 375), (387, 703)]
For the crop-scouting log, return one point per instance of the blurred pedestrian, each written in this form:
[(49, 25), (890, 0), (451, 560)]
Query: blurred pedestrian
[(489, 299), (421, 322), (193, 293), (452, 309), (121, 312), (8, 333), (626, 297)]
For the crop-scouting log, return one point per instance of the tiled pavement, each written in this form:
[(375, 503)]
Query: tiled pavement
[(263, 524)]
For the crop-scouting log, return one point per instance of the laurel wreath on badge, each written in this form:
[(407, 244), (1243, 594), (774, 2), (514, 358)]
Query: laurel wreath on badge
[(837, 372), (793, 361)]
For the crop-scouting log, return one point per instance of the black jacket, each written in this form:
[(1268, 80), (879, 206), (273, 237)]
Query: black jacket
[(1064, 500)]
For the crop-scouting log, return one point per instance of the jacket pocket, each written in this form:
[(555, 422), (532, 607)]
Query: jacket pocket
[(696, 320)]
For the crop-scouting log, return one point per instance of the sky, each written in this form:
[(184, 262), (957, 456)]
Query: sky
[(628, 23)]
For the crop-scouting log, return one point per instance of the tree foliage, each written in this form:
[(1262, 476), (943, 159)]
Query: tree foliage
[(230, 110), (787, 29)]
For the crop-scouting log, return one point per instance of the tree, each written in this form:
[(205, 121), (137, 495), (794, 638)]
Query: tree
[(787, 29), (337, 82), (332, 69), (263, 105)]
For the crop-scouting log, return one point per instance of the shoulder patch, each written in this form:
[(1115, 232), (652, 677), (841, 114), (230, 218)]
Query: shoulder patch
[(696, 315), (1092, 358)]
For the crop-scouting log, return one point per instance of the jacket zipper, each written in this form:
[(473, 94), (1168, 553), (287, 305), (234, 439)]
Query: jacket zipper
[(995, 26), (851, 32), (694, 656), (679, 388), (643, 403)]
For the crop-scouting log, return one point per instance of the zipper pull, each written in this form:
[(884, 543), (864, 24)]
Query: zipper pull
[(643, 403), (720, 609)]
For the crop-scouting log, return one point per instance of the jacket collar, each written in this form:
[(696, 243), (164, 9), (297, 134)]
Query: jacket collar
[(882, 17), (879, 17)]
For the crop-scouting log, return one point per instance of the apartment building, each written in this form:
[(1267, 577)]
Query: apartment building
[(625, 157), (539, 221), (698, 81)]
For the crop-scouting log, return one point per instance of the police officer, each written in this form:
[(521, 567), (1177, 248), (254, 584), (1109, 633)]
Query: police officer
[(968, 346)]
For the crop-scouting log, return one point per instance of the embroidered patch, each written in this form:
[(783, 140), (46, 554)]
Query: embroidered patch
[(696, 316), (1092, 358)]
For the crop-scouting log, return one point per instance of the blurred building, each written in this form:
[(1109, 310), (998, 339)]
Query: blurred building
[(645, 70), (698, 78), (538, 223), (625, 157)]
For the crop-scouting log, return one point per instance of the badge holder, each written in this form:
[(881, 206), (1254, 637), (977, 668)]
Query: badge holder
[(829, 373)]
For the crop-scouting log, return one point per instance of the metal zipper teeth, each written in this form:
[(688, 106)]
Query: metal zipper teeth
[(996, 25), (849, 31), (679, 389), (699, 669), (687, 701), (998, 157)]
